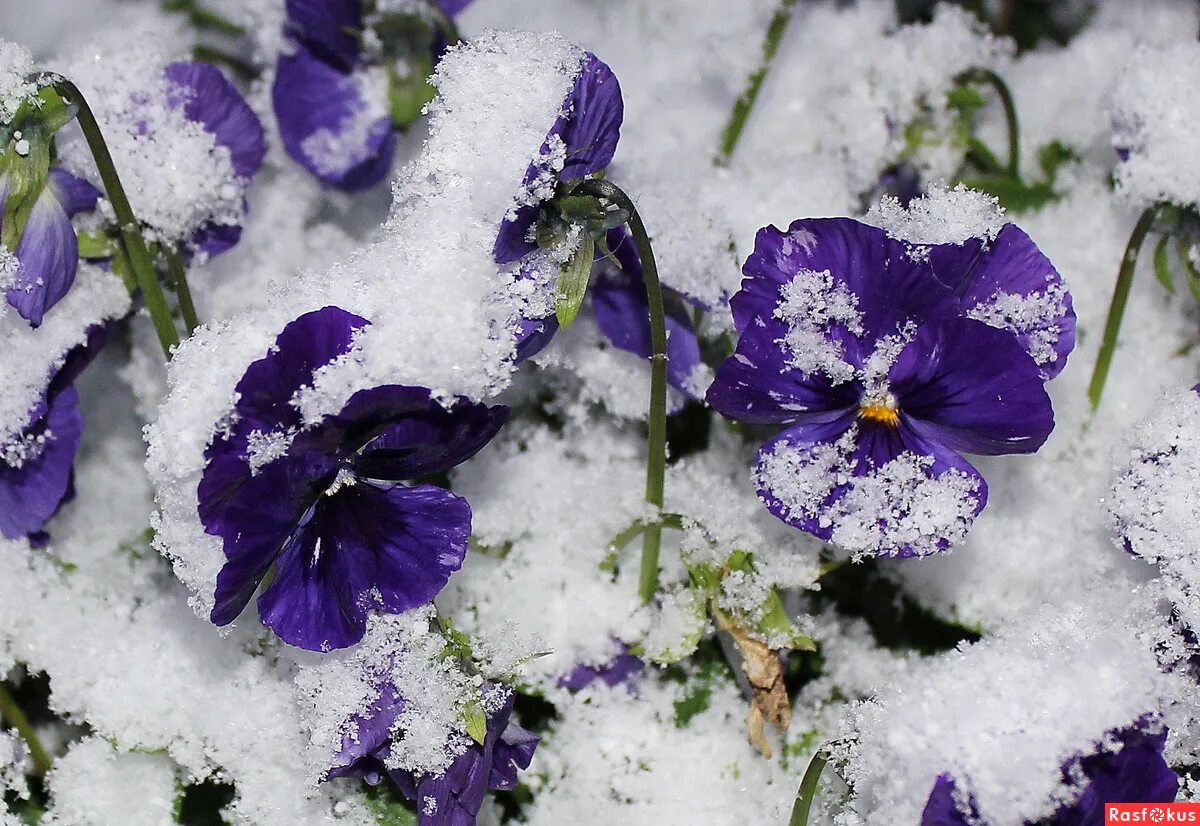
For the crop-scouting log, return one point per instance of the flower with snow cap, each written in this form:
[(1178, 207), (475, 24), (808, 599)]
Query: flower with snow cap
[(885, 362), (352, 76), (322, 510), (1134, 773), (453, 797)]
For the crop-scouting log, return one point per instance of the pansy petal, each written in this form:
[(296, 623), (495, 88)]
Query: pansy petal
[(972, 388), (212, 239), (512, 241), (875, 490), (331, 28), (387, 548), (35, 473), (49, 256), (941, 809), (756, 385), (306, 344), (74, 194), (208, 98), (369, 731), (452, 7), (887, 285), (532, 336), (1135, 774), (592, 125), (403, 433), (326, 124)]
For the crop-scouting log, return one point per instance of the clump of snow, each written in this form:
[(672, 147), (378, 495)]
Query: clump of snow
[(1028, 315), (942, 216), (15, 764), (1156, 497), (406, 654), (1153, 109), (95, 785), (16, 84), (810, 303), (334, 152), (884, 511), (983, 714), (29, 357)]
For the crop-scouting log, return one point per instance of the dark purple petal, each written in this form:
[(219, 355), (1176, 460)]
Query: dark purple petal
[(74, 194), (402, 433), (757, 386), (875, 446), (368, 735), (367, 547), (207, 98), (305, 345), (623, 668), (891, 287), (320, 110), (49, 256), (591, 126), (452, 7), (36, 478), (533, 334), (623, 315), (212, 239), (512, 241), (972, 388), (941, 810), (1008, 268), (1135, 774), (331, 28)]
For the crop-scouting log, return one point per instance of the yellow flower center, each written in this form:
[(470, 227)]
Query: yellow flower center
[(879, 408)]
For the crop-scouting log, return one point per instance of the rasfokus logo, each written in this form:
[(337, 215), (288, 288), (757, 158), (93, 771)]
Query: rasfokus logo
[(1151, 813)]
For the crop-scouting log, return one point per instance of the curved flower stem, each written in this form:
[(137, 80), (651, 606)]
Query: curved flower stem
[(656, 440), (741, 109), (1116, 310), (10, 711), (808, 791), (127, 223), (178, 273), (1010, 112)]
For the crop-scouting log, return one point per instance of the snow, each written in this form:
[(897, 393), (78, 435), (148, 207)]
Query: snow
[(943, 216), (16, 69), (95, 785)]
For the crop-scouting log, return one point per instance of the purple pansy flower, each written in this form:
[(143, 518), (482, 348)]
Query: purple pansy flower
[(621, 670), (1135, 774), (454, 797), (325, 505), (872, 355), (48, 251), (206, 97), (333, 121), (36, 464)]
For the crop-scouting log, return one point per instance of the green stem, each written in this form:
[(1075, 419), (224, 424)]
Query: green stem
[(10, 711), (656, 439), (1116, 310), (202, 19), (808, 791), (208, 54), (1010, 112), (127, 224), (741, 108), (178, 273)]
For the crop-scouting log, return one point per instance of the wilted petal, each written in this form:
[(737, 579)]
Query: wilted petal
[(49, 256)]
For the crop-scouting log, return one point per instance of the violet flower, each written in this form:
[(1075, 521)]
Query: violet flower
[(37, 463), (454, 797), (48, 250), (881, 361), (1135, 774), (621, 670), (209, 99), (334, 121), (325, 506)]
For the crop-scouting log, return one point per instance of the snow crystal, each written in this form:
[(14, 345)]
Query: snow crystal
[(943, 216), (1156, 497), (1027, 315), (94, 785), (1153, 109), (15, 764), (810, 303), (16, 69), (980, 714)]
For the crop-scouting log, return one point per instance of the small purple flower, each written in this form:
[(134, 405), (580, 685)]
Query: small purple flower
[(48, 251), (884, 365), (1137, 773), (454, 797), (325, 506), (621, 670), (209, 99), (334, 121), (36, 464)]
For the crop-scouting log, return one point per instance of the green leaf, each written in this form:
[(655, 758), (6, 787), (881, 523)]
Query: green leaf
[(1162, 264), (573, 282), (966, 99), (97, 244), (1189, 268), (475, 719), (1014, 194), (1052, 156), (388, 808), (408, 95)]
